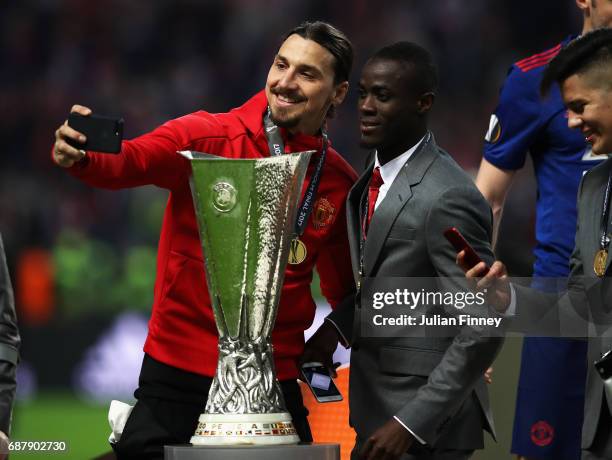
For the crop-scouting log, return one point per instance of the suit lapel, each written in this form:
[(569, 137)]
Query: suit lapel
[(397, 196), (591, 206)]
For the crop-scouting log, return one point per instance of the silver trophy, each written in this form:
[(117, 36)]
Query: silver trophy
[(245, 210)]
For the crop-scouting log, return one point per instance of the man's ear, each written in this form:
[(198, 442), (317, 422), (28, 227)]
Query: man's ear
[(340, 91), (425, 102), (584, 5)]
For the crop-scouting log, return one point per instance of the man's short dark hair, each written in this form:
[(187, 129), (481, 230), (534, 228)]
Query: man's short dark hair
[(333, 41), (590, 51), (417, 58)]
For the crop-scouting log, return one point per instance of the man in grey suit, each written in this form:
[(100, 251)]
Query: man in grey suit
[(410, 397), (583, 70)]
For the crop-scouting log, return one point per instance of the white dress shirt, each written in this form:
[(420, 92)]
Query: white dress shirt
[(388, 173), (390, 170)]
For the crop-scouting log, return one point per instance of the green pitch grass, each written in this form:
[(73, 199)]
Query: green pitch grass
[(61, 417)]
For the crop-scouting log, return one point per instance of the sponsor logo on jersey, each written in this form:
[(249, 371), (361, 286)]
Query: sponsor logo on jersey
[(494, 131)]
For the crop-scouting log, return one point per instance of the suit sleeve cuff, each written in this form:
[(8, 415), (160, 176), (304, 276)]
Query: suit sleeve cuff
[(345, 343), (410, 431), (511, 310)]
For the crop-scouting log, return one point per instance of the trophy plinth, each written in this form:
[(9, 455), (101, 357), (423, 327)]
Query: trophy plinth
[(245, 210), (299, 452)]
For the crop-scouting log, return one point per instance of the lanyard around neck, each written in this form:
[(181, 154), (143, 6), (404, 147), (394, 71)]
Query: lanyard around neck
[(276, 145), (604, 239)]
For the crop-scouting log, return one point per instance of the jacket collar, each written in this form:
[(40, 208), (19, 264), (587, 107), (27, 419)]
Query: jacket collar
[(400, 193)]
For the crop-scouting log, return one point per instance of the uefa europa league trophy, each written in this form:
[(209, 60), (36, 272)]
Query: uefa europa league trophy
[(245, 210)]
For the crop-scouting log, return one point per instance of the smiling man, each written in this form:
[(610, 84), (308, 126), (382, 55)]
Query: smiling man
[(307, 79), (583, 71), (410, 397), (548, 416), (588, 98)]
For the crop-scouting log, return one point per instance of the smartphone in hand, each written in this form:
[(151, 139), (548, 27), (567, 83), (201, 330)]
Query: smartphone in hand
[(104, 134), (454, 236), (320, 382)]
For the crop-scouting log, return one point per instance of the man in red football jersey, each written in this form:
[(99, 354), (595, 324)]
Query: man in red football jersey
[(307, 79)]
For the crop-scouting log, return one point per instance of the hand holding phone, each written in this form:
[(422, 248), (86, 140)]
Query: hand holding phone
[(320, 382), (103, 134), (70, 142), (492, 278), (471, 258)]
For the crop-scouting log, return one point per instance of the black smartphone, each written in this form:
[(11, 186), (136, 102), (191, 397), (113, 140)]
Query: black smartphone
[(104, 134), (320, 382), (454, 236)]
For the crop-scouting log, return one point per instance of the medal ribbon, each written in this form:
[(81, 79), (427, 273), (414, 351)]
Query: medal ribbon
[(601, 257), (604, 240), (276, 145)]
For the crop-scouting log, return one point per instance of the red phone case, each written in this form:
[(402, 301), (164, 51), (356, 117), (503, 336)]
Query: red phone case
[(454, 236)]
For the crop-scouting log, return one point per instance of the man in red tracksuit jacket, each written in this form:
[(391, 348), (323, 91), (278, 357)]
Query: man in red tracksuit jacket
[(307, 79)]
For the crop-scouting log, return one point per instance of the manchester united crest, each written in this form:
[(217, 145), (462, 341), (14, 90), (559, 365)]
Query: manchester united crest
[(542, 434), (324, 213)]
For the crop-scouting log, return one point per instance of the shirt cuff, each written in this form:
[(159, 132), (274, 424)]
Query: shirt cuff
[(410, 431), (345, 342)]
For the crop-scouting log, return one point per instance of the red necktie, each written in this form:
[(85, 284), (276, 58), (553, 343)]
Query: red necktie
[(373, 189)]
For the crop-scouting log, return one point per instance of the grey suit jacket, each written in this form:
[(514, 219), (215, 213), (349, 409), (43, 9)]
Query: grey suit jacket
[(433, 385), (9, 344), (588, 298)]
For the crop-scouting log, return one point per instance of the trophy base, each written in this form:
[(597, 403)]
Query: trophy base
[(236, 429), (296, 452)]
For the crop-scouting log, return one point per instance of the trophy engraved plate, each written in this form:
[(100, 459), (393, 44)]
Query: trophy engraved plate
[(246, 210)]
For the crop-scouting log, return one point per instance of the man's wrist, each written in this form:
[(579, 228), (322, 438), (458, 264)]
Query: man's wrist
[(412, 433)]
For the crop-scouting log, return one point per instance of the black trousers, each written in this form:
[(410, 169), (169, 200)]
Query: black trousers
[(170, 401)]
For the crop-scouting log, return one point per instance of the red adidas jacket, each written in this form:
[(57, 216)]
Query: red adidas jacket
[(182, 331)]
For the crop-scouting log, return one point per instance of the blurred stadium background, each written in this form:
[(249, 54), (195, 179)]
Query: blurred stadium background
[(83, 260)]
